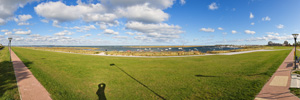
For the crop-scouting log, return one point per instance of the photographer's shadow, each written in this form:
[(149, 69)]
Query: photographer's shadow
[(100, 91)]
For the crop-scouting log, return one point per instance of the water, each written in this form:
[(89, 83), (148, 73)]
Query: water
[(156, 49)]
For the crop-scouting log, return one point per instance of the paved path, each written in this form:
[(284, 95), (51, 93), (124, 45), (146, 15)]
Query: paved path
[(29, 87), (278, 86)]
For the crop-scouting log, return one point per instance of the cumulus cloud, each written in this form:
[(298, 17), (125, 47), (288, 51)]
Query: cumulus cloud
[(271, 37), (82, 28), (21, 19), (267, 18), (280, 26), (159, 32), (224, 33), (213, 6), (129, 33), (120, 37), (251, 15), (249, 32), (160, 4), (23, 23), (7, 33), (252, 23), (61, 12), (45, 21), (35, 35), (182, 2), (109, 31), (63, 33), (220, 28), (207, 29), (143, 13), (2, 21), (272, 33), (8, 7), (4, 30), (233, 31), (23, 32)]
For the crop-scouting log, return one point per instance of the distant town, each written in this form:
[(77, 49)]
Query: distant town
[(285, 43)]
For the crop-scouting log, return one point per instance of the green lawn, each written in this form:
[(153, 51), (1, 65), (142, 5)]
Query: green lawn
[(8, 85), (74, 76)]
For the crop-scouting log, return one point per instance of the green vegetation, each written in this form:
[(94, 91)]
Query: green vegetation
[(8, 85), (75, 76)]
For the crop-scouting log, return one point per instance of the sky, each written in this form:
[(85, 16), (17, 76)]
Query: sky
[(148, 22)]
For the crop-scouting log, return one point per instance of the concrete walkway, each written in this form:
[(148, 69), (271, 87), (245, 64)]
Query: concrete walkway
[(29, 87), (277, 88)]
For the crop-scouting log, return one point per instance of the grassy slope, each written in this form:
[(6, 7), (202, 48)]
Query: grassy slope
[(8, 85), (73, 76)]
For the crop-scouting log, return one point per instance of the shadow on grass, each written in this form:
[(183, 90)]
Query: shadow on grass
[(7, 81), (100, 92), (138, 81), (205, 76)]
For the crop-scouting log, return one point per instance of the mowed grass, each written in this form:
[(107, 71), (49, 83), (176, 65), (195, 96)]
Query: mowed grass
[(8, 84), (74, 76)]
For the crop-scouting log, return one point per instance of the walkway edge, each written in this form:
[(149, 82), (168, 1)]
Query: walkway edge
[(29, 87), (277, 87)]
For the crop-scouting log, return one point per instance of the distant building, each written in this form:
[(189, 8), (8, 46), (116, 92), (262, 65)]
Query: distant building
[(285, 43), (270, 43)]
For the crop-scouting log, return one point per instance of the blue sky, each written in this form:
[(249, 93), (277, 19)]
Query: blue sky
[(148, 22)]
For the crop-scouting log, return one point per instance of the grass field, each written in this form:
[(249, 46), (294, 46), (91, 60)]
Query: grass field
[(75, 76), (8, 85)]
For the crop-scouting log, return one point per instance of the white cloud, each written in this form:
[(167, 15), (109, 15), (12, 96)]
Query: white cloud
[(182, 2), (88, 35), (251, 15), (220, 28), (161, 32), (160, 4), (23, 23), (17, 30), (21, 19), (7, 33), (252, 23), (63, 33), (35, 35), (129, 33), (100, 17), (249, 32), (213, 6), (4, 30), (207, 29), (143, 13), (120, 37), (109, 31), (23, 32), (224, 33), (24, 17), (83, 28), (8, 7), (280, 26), (45, 21), (60, 12), (152, 28), (272, 33), (2, 21), (233, 31), (267, 18)]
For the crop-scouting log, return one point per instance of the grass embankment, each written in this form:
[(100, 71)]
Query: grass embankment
[(73, 76), (8, 84)]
